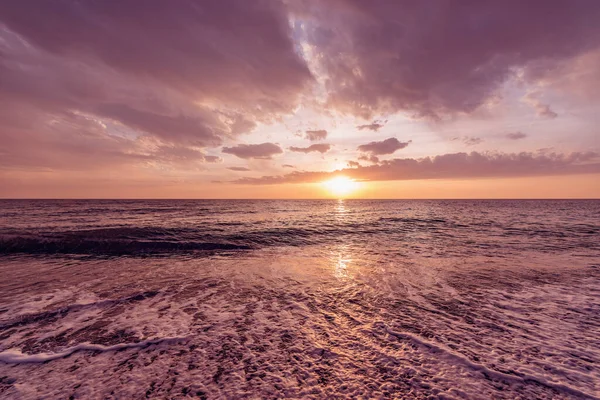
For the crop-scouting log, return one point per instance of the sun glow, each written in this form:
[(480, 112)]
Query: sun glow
[(341, 186)]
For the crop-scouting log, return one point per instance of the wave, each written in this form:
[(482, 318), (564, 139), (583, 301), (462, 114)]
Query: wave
[(115, 241), (16, 357), (243, 234), (121, 241)]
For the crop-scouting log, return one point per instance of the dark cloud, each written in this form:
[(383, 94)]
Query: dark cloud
[(202, 48), (352, 164), (314, 136), (320, 147), (263, 151), (288, 166), (516, 135), (439, 57), (387, 146), (240, 169), (454, 166), (374, 126), (150, 75)]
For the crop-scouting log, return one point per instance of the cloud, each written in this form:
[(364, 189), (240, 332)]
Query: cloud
[(153, 84), (320, 147), (469, 140), (314, 136), (181, 155), (179, 76), (453, 166), (374, 126), (352, 164), (370, 158), (206, 49), (263, 151), (288, 166), (173, 128), (541, 109), (241, 169), (387, 146), (516, 135), (439, 58)]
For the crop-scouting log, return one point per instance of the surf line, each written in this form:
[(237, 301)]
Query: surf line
[(14, 356)]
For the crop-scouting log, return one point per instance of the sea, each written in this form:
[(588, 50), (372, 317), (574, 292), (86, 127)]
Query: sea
[(270, 299)]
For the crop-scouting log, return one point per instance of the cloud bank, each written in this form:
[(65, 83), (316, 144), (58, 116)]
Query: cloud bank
[(453, 166)]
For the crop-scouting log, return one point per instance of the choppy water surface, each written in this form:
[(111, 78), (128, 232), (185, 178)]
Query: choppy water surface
[(300, 299)]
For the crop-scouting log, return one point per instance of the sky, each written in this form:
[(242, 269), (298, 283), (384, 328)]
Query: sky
[(275, 98)]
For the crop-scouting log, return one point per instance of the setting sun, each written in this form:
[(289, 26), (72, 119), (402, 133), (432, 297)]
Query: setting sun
[(341, 186)]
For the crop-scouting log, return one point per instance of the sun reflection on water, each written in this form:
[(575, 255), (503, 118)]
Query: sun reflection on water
[(341, 261), (340, 255)]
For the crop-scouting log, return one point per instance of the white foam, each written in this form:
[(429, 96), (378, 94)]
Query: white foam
[(14, 356), (518, 377)]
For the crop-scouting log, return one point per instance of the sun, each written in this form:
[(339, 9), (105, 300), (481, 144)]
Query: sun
[(341, 186)]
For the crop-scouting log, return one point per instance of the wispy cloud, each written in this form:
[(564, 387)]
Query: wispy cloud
[(516, 135), (469, 140), (258, 151), (320, 148), (373, 126), (240, 169)]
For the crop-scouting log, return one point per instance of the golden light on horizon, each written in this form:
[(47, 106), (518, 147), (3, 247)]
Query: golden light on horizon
[(341, 186)]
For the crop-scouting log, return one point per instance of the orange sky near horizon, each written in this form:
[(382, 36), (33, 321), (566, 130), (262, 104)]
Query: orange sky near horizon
[(557, 187)]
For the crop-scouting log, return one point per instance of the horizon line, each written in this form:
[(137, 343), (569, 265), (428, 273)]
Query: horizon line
[(296, 199)]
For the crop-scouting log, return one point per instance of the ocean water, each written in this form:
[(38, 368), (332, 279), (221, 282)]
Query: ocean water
[(299, 299)]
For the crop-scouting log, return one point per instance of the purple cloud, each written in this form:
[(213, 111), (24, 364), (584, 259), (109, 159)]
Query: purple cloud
[(262, 151), (314, 136), (123, 85), (206, 48), (321, 148), (438, 58), (387, 146)]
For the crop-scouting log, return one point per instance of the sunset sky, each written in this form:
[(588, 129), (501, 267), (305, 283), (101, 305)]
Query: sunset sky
[(269, 99)]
